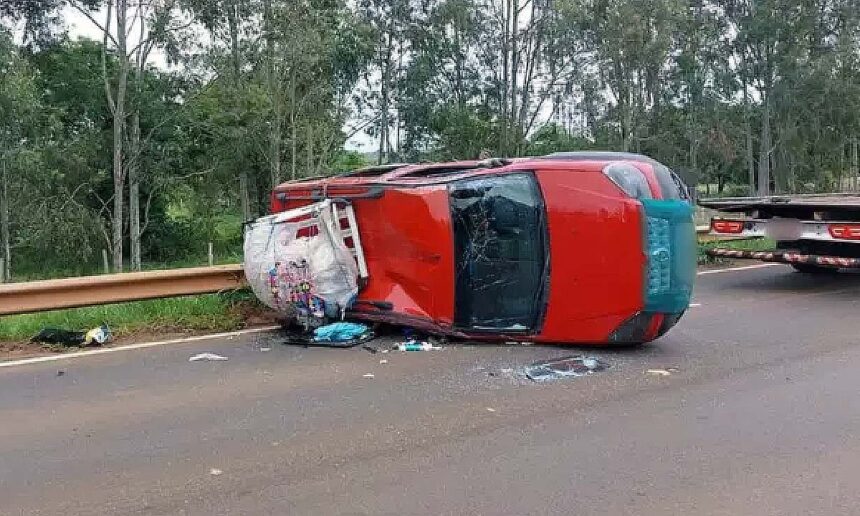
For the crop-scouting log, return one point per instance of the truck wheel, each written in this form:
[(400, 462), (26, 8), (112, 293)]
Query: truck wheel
[(806, 268)]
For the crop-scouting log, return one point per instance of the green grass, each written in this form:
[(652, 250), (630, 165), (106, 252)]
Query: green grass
[(755, 244), (213, 312)]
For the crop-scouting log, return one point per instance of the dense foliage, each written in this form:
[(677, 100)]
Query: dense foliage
[(170, 128)]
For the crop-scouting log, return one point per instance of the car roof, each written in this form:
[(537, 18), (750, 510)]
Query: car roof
[(399, 172), (598, 156)]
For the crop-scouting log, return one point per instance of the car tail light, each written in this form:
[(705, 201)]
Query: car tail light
[(732, 227), (844, 231), (628, 178)]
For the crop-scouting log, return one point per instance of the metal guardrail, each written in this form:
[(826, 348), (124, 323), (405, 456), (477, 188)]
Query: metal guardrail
[(38, 296)]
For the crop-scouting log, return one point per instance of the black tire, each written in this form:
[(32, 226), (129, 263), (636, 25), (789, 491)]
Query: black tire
[(807, 268)]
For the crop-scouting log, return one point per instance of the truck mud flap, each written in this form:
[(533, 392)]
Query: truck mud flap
[(835, 262)]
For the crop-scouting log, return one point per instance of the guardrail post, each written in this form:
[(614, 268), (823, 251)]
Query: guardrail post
[(2, 270), (105, 263), (211, 255)]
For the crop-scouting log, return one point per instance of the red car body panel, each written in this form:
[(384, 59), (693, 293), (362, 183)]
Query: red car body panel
[(409, 252), (595, 244), (595, 236)]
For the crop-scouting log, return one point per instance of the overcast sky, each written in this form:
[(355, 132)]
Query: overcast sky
[(80, 27)]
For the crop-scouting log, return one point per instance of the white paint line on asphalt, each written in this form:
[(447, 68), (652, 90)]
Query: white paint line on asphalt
[(142, 345), (744, 268), (695, 305)]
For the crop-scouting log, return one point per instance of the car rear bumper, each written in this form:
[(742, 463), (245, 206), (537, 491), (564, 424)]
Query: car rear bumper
[(790, 257)]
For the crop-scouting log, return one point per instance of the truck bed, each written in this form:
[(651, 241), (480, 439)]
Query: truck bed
[(833, 206)]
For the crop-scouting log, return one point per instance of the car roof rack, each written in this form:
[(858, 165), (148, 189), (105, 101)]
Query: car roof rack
[(598, 156), (373, 170)]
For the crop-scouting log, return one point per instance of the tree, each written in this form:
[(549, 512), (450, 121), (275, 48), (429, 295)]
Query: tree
[(229, 23), (19, 107), (131, 30)]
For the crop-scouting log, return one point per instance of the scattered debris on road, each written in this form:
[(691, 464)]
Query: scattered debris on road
[(208, 357), (336, 335), (61, 372), (490, 409), (94, 337), (215, 472), (662, 372), (414, 345), (340, 332), (383, 361), (564, 367), (369, 375), (263, 350)]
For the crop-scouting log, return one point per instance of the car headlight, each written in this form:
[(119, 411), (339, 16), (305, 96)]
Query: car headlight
[(628, 178)]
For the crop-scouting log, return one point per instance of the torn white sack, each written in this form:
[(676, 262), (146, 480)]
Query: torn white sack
[(297, 263)]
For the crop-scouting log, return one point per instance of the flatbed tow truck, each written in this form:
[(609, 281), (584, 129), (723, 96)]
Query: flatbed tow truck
[(817, 233)]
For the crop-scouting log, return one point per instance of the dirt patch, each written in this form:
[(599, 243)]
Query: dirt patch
[(16, 350), (255, 314)]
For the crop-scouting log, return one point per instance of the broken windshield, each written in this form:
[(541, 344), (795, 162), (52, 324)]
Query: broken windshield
[(501, 256)]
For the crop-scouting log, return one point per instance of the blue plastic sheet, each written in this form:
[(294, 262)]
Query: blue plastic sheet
[(339, 332)]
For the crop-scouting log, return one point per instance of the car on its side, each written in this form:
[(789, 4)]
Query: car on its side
[(578, 247)]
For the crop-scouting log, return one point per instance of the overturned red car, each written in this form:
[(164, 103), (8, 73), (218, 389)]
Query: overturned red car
[(580, 247)]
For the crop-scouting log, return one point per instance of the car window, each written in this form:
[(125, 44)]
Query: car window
[(671, 185)]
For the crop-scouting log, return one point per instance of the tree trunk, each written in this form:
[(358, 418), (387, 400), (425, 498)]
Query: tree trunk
[(397, 121), (294, 133), (840, 172), (118, 186), (275, 148), (385, 93), (309, 147), (5, 232), (236, 62), (506, 74), (245, 197), (750, 155), (764, 151), (277, 102), (626, 120), (459, 96), (855, 162), (118, 103), (694, 157), (515, 66), (134, 193)]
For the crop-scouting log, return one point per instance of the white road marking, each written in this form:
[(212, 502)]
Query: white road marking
[(744, 268), (142, 345), (229, 335), (695, 305)]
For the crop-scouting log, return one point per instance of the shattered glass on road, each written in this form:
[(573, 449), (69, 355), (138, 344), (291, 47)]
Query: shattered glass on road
[(564, 367)]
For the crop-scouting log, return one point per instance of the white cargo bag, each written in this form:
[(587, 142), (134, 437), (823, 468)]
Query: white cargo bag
[(298, 264)]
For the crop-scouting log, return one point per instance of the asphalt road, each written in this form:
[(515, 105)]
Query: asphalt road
[(762, 417)]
